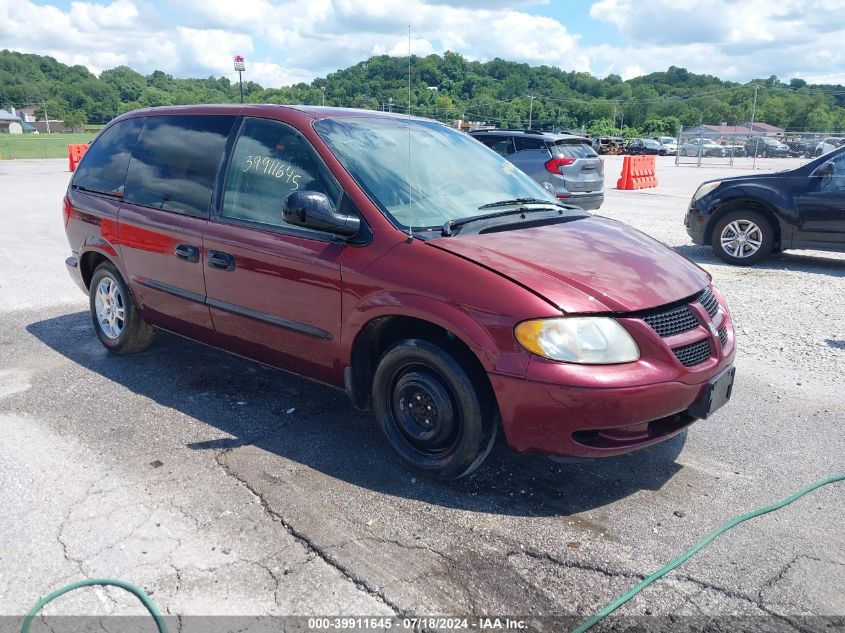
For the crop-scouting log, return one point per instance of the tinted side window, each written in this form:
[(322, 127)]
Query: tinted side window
[(270, 161), (175, 163), (502, 145), (103, 168), (523, 143), (836, 181)]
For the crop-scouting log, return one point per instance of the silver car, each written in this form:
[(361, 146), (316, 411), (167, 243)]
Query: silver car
[(565, 164), (702, 146)]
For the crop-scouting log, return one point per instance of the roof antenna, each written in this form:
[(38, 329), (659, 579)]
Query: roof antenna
[(410, 204)]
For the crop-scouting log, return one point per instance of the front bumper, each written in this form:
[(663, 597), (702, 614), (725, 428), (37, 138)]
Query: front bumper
[(695, 222), (576, 422), (605, 410)]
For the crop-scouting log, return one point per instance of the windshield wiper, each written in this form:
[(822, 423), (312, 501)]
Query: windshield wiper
[(507, 203), (450, 225), (112, 194)]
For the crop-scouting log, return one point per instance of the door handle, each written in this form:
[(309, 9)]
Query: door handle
[(221, 261), (187, 252)]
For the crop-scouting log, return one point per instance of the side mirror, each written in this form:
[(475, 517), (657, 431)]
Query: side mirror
[(824, 170), (313, 210)]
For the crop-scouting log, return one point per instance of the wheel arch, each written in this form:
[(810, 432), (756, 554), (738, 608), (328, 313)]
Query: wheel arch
[(381, 332), (88, 263)]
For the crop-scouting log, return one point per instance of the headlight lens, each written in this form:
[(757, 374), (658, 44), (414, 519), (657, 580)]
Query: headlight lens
[(704, 189), (585, 340)]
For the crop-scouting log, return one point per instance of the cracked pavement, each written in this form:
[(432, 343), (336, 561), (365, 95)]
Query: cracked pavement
[(226, 488)]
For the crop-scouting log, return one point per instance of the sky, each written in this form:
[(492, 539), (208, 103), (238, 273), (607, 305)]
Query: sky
[(298, 40)]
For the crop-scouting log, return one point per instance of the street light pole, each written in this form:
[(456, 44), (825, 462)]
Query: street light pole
[(531, 112), (753, 112)]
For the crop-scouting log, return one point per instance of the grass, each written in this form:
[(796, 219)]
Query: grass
[(14, 146)]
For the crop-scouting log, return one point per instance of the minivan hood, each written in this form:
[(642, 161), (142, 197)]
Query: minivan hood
[(583, 266)]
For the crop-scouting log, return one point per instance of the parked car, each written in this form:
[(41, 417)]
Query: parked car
[(801, 148), (645, 146), (565, 164), (737, 150), (669, 144), (454, 298), (701, 147), (745, 218), (766, 147), (608, 145), (828, 145)]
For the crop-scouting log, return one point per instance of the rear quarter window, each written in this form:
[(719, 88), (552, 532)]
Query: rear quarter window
[(581, 149), (103, 168)]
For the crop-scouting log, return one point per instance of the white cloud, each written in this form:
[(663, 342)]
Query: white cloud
[(726, 38), (288, 41)]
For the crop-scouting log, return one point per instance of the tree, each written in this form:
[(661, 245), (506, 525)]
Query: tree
[(75, 121), (495, 91)]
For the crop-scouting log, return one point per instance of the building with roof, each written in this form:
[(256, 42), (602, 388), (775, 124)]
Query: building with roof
[(10, 123), (741, 130)]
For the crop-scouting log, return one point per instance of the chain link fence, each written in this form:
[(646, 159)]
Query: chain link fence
[(743, 145)]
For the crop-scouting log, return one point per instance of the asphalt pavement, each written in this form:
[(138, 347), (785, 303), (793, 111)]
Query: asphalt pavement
[(227, 488)]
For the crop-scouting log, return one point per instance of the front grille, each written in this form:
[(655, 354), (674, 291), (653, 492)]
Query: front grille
[(723, 335), (667, 322), (708, 300), (693, 354)]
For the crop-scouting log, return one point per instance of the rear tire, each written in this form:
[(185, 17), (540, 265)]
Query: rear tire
[(115, 316), (743, 237), (438, 417)]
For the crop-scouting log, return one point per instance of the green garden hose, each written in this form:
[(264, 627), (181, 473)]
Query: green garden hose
[(633, 591), (103, 582), (585, 626)]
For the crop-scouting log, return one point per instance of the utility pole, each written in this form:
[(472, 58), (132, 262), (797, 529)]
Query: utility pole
[(46, 118), (390, 105), (323, 88), (753, 112), (531, 112)]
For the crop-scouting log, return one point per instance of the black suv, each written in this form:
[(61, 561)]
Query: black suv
[(747, 217)]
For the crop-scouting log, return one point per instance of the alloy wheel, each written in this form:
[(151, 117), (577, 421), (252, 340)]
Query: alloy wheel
[(110, 308), (741, 238)]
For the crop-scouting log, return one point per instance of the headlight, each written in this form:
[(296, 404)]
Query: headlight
[(585, 340), (704, 189)]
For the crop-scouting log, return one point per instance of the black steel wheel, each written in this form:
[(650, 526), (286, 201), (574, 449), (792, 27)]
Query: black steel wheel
[(438, 416)]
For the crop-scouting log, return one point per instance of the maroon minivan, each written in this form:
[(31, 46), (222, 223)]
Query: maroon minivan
[(404, 262)]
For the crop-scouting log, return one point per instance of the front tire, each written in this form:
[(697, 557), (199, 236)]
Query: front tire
[(743, 237), (437, 415), (115, 316)]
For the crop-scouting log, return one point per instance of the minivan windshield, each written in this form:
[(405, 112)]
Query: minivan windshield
[(451, 173)]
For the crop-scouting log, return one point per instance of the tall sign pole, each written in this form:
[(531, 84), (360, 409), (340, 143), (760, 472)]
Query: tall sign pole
[(240, 66)]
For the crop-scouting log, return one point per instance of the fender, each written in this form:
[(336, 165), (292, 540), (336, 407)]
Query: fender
[(778, 205), (487, 345)]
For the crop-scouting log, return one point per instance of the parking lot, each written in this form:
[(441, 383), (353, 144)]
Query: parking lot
[(227, 488)]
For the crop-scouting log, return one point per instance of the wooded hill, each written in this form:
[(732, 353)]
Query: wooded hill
[(446, 87)]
